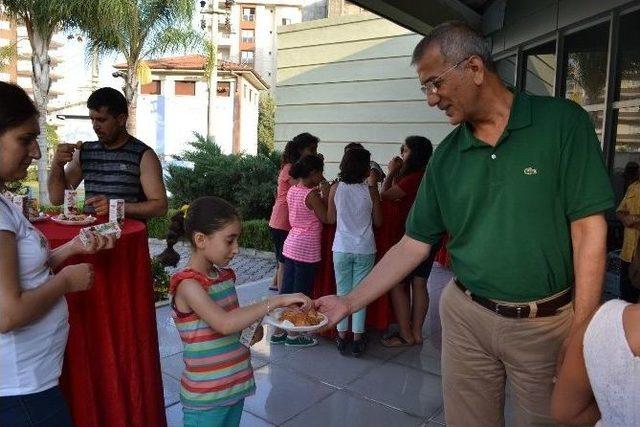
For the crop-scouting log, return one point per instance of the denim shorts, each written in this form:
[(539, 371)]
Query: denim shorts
[(44, 409)]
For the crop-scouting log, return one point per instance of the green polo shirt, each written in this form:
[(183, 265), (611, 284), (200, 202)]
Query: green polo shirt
[(508, 208)]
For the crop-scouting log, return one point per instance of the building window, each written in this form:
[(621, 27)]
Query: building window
[(248, 13), (627, 94), (248, 36), (245, 92), (286, 21), (507, 70), (540, 69), (186, 88), (250, 95), (152, 88), (246, 57), (224, 88)]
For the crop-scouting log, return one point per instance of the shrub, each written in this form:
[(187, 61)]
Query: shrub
[(160, 279), (255, 234), (246, 181), (158, 227)]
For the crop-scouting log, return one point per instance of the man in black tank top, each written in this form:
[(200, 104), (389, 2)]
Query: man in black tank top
[(116, 166)]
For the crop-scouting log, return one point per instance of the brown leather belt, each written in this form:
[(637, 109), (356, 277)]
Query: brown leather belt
[(524, 310)]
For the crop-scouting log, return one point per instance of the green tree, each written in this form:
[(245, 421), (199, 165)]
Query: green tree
[(266, 123), (42, 19), (139, 30)]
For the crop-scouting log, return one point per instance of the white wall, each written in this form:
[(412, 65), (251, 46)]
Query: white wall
[(249, 124), (348, 79), (166, 122)]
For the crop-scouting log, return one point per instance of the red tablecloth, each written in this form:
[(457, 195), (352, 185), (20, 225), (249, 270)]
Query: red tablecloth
[(111, 374)]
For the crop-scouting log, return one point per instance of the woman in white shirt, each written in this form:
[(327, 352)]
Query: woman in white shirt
[(33, 311)]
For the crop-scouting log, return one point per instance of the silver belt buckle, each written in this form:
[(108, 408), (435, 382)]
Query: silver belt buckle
[(519, 312)]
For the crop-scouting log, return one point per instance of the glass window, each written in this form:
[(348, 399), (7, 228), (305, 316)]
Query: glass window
[(627, 125), (586, 65), (248, 36), (186, 88), (224, 88), (597, 117), (248, 13), (540, 69), (507, 70), (628, 86), (286, 21), (152, 88), (246, 57)]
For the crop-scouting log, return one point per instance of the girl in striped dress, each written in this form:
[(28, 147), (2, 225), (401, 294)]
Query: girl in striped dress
[(218, 374)]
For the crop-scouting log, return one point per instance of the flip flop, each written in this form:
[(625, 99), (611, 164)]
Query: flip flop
[(402, 341)]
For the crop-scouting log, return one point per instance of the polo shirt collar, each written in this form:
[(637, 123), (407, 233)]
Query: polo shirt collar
[(519, 117)]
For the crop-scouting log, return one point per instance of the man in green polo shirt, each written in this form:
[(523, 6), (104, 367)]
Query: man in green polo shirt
[(520, 187)]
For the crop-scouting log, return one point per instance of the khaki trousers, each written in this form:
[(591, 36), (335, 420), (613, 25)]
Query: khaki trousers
[(481, 349)]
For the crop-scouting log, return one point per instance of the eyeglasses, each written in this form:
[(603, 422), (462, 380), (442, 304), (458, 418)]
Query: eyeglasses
[(431, 87)]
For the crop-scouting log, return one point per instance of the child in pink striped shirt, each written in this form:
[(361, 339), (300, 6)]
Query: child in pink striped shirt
[(307, 212)]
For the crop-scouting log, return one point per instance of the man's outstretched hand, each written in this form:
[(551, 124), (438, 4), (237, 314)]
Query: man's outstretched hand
[(334, 307)]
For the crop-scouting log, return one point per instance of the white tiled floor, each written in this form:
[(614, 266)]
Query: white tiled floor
[(319, 387)]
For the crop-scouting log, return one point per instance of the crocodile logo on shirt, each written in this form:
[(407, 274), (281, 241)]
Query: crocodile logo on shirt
[(530, 171)]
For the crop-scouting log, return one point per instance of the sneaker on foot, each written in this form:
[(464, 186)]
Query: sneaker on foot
[(300, 341), (278, 338), (341, 343), (357, 348)]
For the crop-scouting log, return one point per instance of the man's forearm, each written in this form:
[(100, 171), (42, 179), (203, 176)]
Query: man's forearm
[(589, 257), (147, 209), (56, 184), (397, 263)]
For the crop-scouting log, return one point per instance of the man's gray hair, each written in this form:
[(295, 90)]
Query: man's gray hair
[(457, 41)]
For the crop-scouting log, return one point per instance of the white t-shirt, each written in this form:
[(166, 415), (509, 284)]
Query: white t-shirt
[(31, 356), (354, 232)]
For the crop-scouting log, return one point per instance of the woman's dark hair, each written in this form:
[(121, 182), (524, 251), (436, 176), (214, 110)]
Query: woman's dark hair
[(294, 148), (108, 97), (421, 150), (15, 107), (306, 165), (355, 166), (352, 145), (205, 215)]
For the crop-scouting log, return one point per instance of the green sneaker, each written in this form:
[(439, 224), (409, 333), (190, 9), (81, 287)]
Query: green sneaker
[(278, 338), (301, 341)]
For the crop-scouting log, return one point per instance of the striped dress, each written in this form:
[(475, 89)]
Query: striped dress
[(303, 241), (114, 173), (218, 368)]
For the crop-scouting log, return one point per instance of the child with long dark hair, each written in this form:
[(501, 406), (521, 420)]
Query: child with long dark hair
[(354, 204), (218, 374), (409, 299), (301, 145), (301, 249)]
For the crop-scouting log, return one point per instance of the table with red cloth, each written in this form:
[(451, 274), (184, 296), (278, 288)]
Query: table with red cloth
[(111, 373), (379, 312)]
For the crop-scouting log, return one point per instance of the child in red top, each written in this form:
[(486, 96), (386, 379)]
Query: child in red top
[(401, 187)]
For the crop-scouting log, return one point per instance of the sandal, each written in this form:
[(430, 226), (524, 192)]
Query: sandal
[(401, 342)]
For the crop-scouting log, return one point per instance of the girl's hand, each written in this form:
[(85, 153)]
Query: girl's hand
[(291, 299), (96, 243), (78, 277), (394, 165), (372, 179)]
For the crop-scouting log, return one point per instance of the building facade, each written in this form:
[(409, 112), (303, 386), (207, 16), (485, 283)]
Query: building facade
[(174, 105), (349, 79), (18, 69), (247, 32)]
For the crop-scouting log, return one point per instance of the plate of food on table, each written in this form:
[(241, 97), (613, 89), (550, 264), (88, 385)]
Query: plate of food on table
[(296, 320), (73, 219)]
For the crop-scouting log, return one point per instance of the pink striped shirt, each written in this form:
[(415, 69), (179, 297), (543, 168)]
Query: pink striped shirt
[(303, 241)]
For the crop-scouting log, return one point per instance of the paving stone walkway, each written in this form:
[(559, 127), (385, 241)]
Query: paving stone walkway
[(249, 265)]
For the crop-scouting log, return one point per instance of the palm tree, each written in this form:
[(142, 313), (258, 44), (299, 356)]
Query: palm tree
[(42, 19), (138, 30)]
